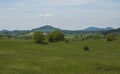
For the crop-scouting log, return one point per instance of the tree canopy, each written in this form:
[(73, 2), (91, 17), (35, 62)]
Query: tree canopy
[(38, 37)]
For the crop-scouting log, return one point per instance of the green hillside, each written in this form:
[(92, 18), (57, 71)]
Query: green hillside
[(26, 57)]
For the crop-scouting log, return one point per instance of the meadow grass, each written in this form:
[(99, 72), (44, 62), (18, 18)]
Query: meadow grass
[(26, 57)]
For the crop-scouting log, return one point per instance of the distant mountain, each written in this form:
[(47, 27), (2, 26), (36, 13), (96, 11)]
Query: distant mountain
[(109, 28), (46, 28), (114, 30), (97, 29)]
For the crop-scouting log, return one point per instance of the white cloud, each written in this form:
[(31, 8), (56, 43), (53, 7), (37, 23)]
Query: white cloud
[(45, 15)]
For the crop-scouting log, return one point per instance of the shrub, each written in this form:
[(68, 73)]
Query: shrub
[(49, 38), (111, 36), (86, 48), (55, 36), (38, 37)]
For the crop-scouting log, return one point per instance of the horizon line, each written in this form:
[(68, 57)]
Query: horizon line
[(60, 28)]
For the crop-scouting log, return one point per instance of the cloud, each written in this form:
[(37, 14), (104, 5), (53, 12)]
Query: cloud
[(75, 13), (45, 15), (70, 2)]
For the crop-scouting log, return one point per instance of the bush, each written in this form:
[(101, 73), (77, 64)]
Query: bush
[(86, 48), (111, 36), (55, 36), (38, 37)]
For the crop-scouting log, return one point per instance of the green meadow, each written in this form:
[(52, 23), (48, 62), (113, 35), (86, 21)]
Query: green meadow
[(26, 57)]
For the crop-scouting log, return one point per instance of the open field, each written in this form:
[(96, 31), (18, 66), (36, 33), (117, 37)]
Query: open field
[(26, 57)]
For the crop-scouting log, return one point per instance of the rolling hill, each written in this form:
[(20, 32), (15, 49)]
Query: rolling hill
[(98, 29), (48, 29)]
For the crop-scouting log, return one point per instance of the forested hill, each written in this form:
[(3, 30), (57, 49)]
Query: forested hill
[(48, 29)]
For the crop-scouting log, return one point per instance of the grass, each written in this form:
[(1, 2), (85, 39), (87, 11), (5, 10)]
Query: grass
[(26, 57)]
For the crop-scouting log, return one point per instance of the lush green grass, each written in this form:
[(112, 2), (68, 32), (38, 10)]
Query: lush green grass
[(26, 57)]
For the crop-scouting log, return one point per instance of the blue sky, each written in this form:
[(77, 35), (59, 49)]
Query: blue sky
[(64, 14)]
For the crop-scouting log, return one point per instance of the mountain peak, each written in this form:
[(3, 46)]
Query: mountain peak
[(46, 28)]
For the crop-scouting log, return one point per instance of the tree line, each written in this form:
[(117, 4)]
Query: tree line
[(55, 36)]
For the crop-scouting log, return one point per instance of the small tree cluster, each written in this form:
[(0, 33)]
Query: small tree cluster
[(54, 36), (111, 36), (38, 37)]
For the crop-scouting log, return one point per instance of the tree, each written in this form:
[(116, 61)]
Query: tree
[(111, 36), (55, 36), (38, 37)]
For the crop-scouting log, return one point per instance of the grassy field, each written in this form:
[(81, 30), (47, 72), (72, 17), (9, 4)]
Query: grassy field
[(26, 57)]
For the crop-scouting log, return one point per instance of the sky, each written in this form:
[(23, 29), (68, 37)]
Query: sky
[(64, 14)]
